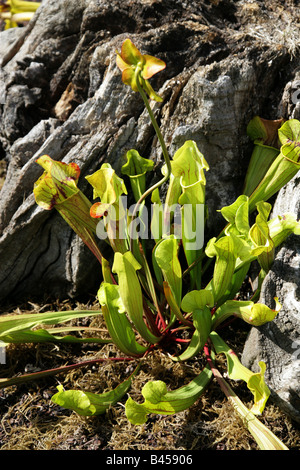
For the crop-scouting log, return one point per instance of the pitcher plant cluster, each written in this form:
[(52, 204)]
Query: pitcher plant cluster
[(154, 294)]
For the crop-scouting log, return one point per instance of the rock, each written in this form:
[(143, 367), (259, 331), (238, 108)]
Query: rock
[(277, 343), (64, 97)]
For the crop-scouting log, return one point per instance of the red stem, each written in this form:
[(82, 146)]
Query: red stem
[(49, 372)]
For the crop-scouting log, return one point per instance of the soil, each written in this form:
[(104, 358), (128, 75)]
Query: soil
[(30, 421)]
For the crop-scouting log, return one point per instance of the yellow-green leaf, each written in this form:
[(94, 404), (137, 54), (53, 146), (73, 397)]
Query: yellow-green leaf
[(106, 184), (166, 256), (202, 324), (136, 66), (90, 404), (255, 314), (225, 250)]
